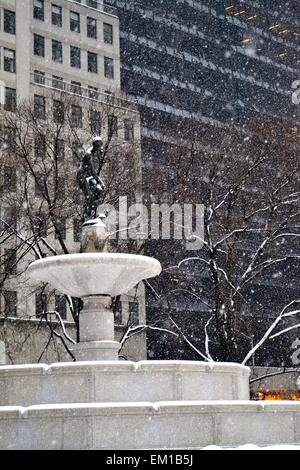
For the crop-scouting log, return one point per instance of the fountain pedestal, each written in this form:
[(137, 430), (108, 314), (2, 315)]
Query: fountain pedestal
[(96, 331)]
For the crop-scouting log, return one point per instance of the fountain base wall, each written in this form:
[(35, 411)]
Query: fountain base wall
[(145, 405), (163, 426), (120, 381)]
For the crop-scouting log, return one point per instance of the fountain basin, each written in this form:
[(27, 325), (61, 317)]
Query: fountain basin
[(122, 381), (91, 274)]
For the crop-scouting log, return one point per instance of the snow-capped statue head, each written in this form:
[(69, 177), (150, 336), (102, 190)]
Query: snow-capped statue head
[(97, 143)]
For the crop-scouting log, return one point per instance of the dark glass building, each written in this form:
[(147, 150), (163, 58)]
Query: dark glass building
[(211, 61)]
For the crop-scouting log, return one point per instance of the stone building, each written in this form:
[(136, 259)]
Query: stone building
[(52, 52)]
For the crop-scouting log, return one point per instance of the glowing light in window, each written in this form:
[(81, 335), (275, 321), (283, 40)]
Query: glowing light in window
[(253, 17), (239, 13), (229, 7), (281, 54), (274, 26)]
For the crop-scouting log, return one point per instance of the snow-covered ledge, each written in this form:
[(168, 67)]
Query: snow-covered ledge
[(168, 425), (102, 382)]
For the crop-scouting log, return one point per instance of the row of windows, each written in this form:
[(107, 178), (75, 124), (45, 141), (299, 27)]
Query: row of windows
[(40, 224), (11, 304), (76, 117), (75, 21), (42, 307), (75, 56), (9, 57), (9, 22), (75, 87)]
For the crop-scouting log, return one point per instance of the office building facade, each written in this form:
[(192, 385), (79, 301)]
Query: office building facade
[(212, 62)]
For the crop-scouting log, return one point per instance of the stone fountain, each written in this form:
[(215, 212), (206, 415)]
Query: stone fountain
[(99, 402), (96, 278)]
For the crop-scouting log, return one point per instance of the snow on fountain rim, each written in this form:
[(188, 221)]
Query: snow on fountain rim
[(143, 367), (88, 274)]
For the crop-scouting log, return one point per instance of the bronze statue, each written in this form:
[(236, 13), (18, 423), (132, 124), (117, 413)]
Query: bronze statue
[(89, 181)]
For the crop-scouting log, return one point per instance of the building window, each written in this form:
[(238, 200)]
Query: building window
[(40, 146), (41, 225), (9, 60), (75, 151), (61, 188), (92, 3), (91, 27), (118, 313), (41, 306), (76, 88), (10, 262), (61, 306), (61, 229), (10, 179), (129, 130), (95, 122), (60, 149), (11, 301), (57, 82), (39, 77), (75, 56), (58, 112), (57, 51), (108, 33), (92, 62), (10, 100), (93, 92), (112, 126), (9, 22), (56, 15), (39, 185), (75, 21), (77, 230), (39, 45), (40, 107), (38, 9), (108, 67), (76, 116), (134, 313)]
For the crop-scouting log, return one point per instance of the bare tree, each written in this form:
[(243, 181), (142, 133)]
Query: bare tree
[(42, 144), (245, 274)]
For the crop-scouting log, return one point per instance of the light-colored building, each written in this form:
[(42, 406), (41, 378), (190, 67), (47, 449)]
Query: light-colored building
[(66, 39), (49, 51)]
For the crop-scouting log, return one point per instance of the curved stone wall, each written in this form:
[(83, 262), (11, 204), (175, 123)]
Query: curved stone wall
[(100, 382), (186, 425)]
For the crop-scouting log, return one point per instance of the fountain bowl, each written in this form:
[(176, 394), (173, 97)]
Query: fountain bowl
[(91, 274)]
